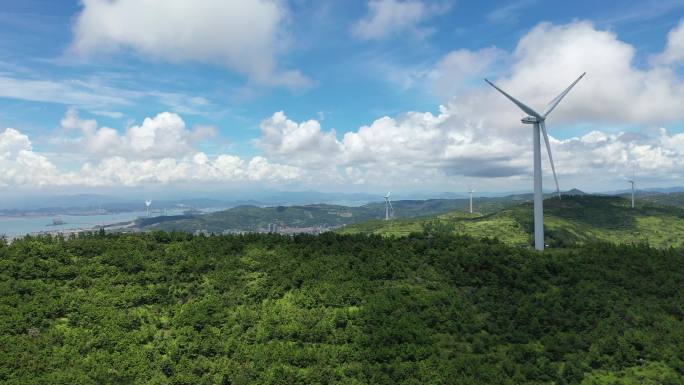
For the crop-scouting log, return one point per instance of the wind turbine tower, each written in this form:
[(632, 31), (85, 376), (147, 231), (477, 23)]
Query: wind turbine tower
[(148, 203), (388, 207), (471, 191), (537, 121), (632, 182)]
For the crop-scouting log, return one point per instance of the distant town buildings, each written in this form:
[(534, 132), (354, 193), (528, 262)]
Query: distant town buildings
[(275, 228)]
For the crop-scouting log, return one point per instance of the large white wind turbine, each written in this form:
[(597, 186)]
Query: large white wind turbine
[(147, 207), (537, 121), (471, 191), (388, 206)]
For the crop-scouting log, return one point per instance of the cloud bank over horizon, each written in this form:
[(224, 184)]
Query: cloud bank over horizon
[(159, 151)]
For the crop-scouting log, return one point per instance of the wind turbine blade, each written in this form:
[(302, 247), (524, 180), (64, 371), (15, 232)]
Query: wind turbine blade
[(542, 125), (553, 103), (518, 103)]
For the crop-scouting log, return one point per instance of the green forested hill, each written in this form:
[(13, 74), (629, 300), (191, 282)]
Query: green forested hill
[(158, 308), (572, 220), (252, 218)]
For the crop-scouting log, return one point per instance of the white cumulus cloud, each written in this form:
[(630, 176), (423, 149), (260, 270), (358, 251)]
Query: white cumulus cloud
[(158, 151), (19, 165), (389, 17), (117, 171), (164, 135), (246, 36), (282, 137), (615, 90), (674, 51)]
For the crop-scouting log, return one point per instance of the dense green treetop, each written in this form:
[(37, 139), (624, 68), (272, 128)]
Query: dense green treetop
[(430, 308)]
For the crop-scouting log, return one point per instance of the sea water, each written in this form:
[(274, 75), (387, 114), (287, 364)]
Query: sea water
[(17, 226)]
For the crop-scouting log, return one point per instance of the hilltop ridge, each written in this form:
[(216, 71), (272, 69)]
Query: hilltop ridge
[(578, 217), (573, 219)]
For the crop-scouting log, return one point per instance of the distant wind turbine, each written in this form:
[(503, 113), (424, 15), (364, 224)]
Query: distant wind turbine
[(147, 206), (388, 207), (471, 191), (633, 182), (538, 126)]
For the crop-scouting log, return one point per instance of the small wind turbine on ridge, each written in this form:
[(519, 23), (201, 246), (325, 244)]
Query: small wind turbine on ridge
[(537, 121), (388, 206)]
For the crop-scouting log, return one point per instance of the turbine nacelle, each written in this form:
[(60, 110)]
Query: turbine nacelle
[(530, 120)]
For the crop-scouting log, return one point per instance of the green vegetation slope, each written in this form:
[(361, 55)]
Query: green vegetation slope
[(253, 218), (158, 308), (572, 220)]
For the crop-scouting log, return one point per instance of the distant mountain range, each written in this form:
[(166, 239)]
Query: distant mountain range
[(89, 203)]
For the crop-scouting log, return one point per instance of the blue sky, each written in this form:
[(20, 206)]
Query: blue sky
[(329, 66)]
